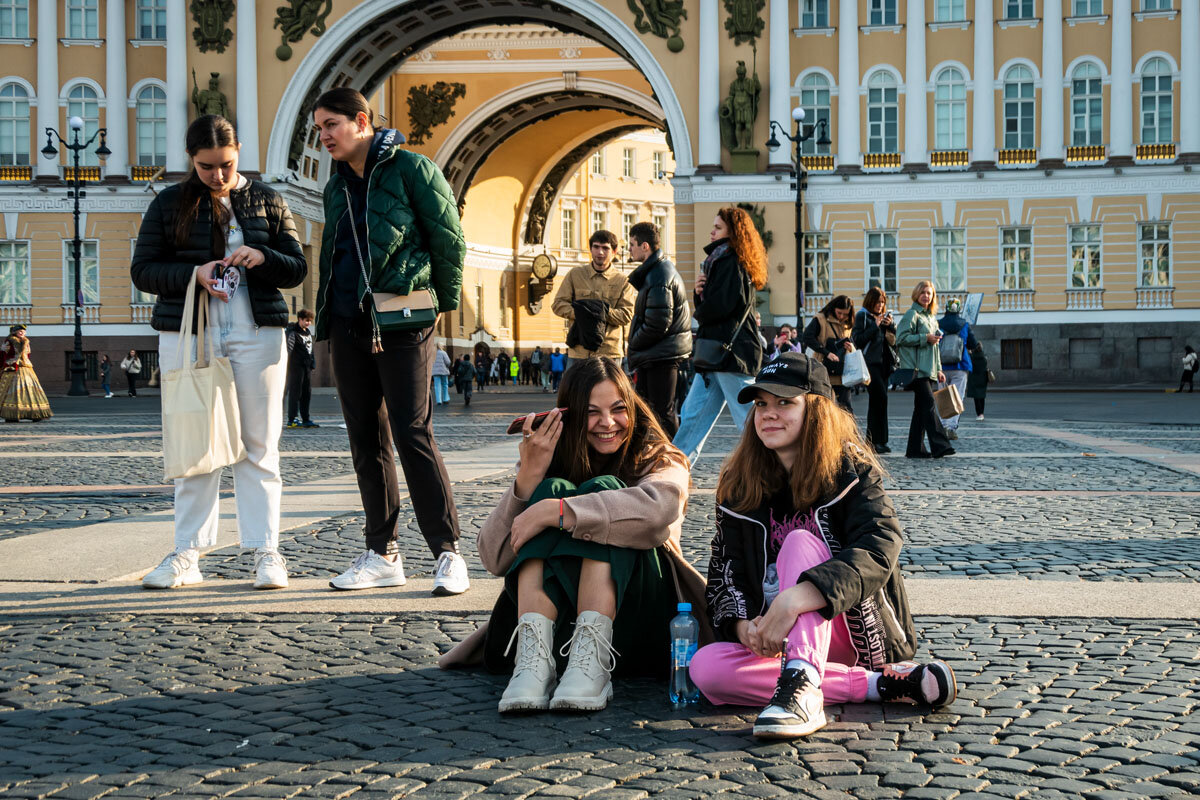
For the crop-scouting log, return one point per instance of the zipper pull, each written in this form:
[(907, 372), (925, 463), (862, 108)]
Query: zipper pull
[(376, 342)]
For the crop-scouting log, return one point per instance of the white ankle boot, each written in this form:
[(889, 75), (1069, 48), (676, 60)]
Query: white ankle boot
[(586, 684), (534, 672)]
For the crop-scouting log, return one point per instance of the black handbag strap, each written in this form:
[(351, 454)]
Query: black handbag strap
[(746, 316)]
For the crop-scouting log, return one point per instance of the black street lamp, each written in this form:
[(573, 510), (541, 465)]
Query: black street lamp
[(75, 192), (803, 134)]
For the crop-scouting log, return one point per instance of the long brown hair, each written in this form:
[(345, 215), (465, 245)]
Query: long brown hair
[(874, 296), (746, 243), (753, 472), (841, 301), (646, 446), (209, 131)]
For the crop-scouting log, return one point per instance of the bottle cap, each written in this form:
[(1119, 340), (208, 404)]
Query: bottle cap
[(684, 607)]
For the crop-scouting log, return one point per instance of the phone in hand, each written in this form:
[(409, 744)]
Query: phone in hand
[(518, 424)]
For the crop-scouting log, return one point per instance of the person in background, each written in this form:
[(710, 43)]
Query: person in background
[(514, 369), (977, 383), (535, 366), (465, 375), (132, 365), (828, 335), (441, 377), (106, 375), (955, 350), (558, 365), (917, 338), (783, 341), (482, 365), (594, 299), (21, 394), (875, 335), (301, 363), (1191, 363)]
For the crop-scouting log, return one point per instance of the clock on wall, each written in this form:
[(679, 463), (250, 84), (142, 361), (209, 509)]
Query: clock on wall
[(544, 267)]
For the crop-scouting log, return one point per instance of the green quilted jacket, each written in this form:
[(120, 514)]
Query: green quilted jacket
[(414, 238)]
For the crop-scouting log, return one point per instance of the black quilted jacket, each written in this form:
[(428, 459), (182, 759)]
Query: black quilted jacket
[(662, 322), (161, 268)]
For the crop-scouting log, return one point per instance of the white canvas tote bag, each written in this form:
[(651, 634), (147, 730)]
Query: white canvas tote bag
[(202, 431)]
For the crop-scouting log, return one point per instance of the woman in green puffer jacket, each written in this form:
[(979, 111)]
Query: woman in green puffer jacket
[(917, 338)]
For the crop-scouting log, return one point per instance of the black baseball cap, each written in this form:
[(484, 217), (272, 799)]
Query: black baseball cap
[(789, 375)]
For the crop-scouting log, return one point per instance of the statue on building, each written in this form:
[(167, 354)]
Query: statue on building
[(212, 24), (758, 215), (661, 18), (297, 18), (744, 23), (430, 106), (739, 110), (539, 211), (211, 100)]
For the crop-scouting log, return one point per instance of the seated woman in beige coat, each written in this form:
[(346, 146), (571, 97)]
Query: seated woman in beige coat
[(587, 539)]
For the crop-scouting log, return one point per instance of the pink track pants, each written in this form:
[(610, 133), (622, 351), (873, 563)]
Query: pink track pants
[(728, 673)]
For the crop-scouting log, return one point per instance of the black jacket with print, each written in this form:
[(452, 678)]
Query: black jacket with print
[(861, 580)]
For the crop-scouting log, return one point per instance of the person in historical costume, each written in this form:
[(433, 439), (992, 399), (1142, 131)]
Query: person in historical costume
[(21, 395)]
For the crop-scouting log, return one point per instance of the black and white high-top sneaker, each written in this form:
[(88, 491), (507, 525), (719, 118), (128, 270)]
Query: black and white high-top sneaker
[(796, 709), (910, 682)]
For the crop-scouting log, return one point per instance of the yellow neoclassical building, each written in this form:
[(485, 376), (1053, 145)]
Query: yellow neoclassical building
[(1039, 152)]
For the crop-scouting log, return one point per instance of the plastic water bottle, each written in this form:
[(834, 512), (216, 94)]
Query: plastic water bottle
[(685, 638)]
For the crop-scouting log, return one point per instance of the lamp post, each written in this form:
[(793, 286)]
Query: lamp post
[(76, 193), (803, 134)]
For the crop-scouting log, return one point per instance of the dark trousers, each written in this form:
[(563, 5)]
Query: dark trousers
[(877, 402), (656, 385), (131, 379), (1187, 377), (842, 395), (979, 405), (925, 421), (299, 391), (385, 397)]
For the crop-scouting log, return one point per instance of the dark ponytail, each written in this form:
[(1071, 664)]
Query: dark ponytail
[(346, 102), (207, 132)]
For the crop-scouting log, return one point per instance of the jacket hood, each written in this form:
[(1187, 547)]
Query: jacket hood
[(382, 143), (952, 322)]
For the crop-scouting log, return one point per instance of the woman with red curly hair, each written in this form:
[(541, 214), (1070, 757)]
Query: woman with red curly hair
[(727, 352)]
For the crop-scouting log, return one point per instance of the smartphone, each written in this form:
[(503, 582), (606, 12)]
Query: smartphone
[(518, 424)]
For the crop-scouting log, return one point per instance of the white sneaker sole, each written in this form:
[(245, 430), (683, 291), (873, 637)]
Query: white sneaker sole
[(448, 591), (180, 580), (271, 584), (519, 704), (377, 583), (583, 703), (782, 730)]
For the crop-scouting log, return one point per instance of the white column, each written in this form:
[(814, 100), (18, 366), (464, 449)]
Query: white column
[(47, 82), (116, 89), (177, 87), (710, 85), (247, 85), (1052, 80), (848, 134), (781, 78), (916, 117), (983, 105), (1120, 134), (1189, 85)]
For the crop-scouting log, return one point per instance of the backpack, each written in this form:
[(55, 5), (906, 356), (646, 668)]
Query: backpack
[(951, 348)]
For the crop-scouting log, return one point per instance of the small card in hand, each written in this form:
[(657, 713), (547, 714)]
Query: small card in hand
[(227, 281)]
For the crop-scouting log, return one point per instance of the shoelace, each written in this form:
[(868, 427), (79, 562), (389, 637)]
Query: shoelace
[(270, 558), (360, 563), (587, 641), (532, 651), (908, 685), (791, 683), (444, 567), (178, 562)]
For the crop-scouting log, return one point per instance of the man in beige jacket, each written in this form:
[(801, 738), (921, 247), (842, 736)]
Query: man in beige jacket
[(599, 281)]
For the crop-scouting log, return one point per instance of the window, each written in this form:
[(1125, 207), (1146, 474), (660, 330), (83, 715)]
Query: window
[(1154, 244), (14, 274), (881, 261), (628, 220), (814, 99), (82, 101), (1155, 352), (814, 13), (1016, 354), (14, 19), (1087, 106), (1156, 5), (503, 301), (883, 12), (950, 11), (478, 307), (599, 163), (1084, 353), (1085, 256), (569, 241), (599, 219), (949, 260), (950, 110), (14, 125), (628, 163), (1016, 256), (883, 113), (1156, 102), (816, 264), (1018, 9), (152, 19), (1018, 108), (1088, 8), (657, 168), (659, 218), (152, 127), (83, 19), (89, 272)]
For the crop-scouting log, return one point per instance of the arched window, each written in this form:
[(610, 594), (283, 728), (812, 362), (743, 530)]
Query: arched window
[(814, 99), (1157, 102), (14, 125), (1018, 108), (151, 127), (83, 102), (1087, 106), (950, 110), (883, 114)]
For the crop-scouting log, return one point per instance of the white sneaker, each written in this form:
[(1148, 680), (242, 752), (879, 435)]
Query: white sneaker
[(586, 683), (796, 709), (533, 675), (180, 568), (270, 570), (108, 395), (979, 417), (451, 576), (369, 571)]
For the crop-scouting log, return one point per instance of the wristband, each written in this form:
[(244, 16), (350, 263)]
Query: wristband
[(561, 507)]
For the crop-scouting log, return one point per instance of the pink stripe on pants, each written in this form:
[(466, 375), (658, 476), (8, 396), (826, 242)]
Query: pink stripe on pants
[(728, 673)]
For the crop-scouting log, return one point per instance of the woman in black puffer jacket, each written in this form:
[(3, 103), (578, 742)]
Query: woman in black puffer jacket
[(218, 224)]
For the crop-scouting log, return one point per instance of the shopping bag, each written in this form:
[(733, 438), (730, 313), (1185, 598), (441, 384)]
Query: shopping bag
[(202, 429), (855, 372), (949, 404)]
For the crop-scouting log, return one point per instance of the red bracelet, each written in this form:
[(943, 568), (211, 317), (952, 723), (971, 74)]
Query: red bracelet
[(561, 506)]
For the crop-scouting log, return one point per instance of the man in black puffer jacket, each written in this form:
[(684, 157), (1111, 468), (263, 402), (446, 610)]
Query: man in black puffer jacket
[(660, 335)]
